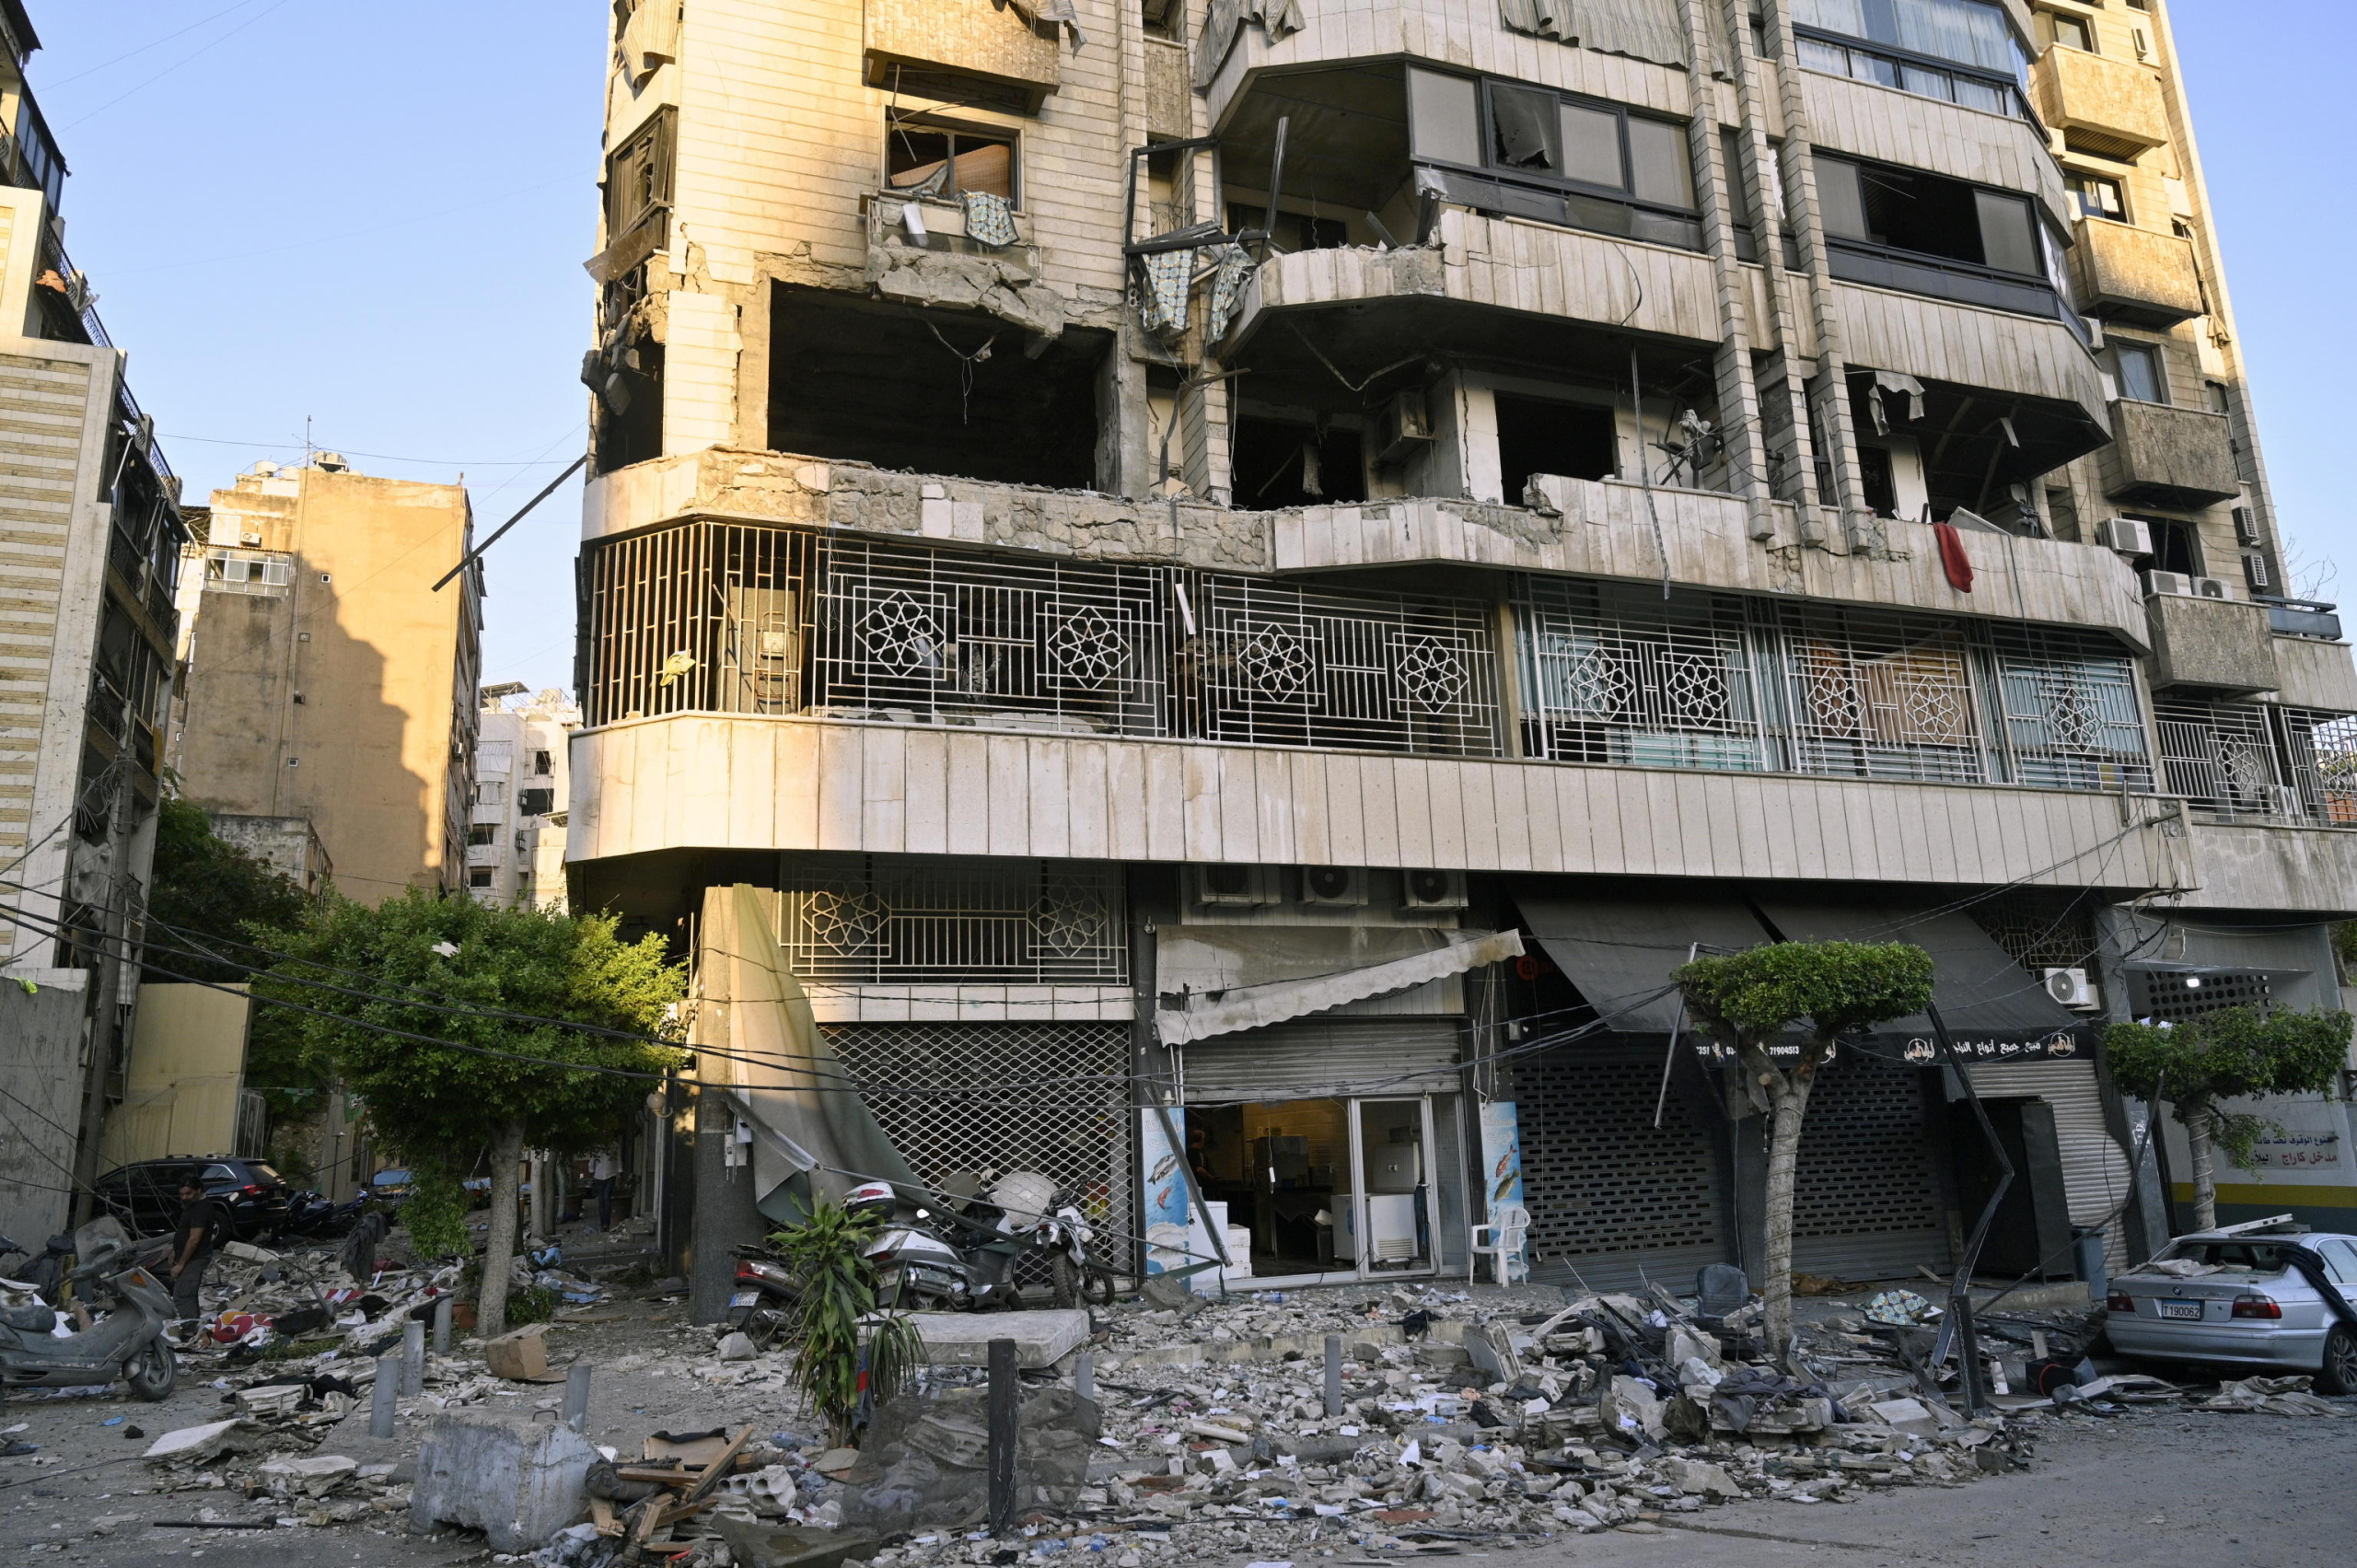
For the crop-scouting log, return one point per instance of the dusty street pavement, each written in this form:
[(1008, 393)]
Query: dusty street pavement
[(1175, 1388), (2166, 1489)]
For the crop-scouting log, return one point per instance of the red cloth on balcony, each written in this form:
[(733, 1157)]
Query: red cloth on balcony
[(1953, 559)]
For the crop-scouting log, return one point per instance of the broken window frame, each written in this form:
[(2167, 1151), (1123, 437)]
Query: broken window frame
[(1855, 258), (2085, 193), (899, 123), (645, 161), (1428, 149)]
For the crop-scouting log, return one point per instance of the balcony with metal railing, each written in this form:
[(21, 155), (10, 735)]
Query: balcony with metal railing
[(2260, 762)]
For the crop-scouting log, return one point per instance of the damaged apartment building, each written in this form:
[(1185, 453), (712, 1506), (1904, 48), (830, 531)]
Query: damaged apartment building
[(90, 538), (1244, 579)]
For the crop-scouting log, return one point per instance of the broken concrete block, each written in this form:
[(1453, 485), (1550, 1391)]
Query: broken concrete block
[(518, 1482), (1703, 1478), (735, 1347), (962, 1339), (273, 1399), (1630, 1405), (835, 1461), (754, 1545), (192, 1445), (1686, 1345), (1908, 1415), (923, 1462), (314, 1475)]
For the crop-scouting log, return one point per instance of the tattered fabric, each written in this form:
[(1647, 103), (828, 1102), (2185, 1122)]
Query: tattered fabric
[(989, 221), (1226, 18), (1169, 281), (1227, 289), (1643, 29)]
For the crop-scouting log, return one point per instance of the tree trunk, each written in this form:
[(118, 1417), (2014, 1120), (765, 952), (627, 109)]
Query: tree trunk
[(1784, 1162), (2198, 1121), (499, 1249)]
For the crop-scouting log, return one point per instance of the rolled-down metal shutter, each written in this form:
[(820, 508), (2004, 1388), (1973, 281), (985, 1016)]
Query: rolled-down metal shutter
[(1615, 1201), (1866, 1200), (2096, 1178), (1368, 1058)]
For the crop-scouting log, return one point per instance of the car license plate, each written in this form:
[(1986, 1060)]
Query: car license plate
[(746, 1298), (2188, 1310)]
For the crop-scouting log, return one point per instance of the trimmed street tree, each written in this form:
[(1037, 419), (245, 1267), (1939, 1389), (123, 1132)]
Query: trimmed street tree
[(2227, 1055), (443, 1107), (1751, 998)]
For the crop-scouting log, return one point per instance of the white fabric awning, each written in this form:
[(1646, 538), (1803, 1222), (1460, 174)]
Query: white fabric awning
[(1276, 1001)]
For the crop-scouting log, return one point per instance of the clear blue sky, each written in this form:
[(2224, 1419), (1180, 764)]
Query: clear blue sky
[(374, 217)]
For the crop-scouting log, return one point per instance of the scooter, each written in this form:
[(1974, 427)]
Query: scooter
[(764, 1299), (127, 1341), (959, 1254)]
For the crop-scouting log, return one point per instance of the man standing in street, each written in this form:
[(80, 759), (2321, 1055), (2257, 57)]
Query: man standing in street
[(201, 1218), (602, 1181)]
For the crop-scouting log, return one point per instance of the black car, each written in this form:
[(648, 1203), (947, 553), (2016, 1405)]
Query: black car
[(147, 1196)]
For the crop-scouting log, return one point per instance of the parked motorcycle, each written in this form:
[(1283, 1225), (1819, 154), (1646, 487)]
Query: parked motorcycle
[(764, 1299), (316, 1218), (42, 1275), (127, 1341), (960, 1252)]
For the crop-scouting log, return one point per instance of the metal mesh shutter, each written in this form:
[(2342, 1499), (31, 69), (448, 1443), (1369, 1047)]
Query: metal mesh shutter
[(1064, 1112), (1866, 1200), (1608, 1192)]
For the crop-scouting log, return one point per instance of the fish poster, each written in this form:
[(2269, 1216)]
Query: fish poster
[(1502, 1174), (1165, 1192)]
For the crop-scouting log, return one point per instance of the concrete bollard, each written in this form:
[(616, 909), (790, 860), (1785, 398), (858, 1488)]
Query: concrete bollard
[(1083, 1376), (412, 1359), (576, 1395), (1004, 1407), (1333, 1375), (382, 1396), (442, 1325)]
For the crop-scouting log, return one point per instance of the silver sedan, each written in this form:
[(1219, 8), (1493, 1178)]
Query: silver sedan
[(2246, 1296)]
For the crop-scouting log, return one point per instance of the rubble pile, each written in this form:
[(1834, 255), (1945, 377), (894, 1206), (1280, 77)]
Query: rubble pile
[(1461, 1420)]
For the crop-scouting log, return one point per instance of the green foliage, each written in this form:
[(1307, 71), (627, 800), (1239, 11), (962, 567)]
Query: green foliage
[(436, 1212), (1760, 993), (534, 1303), (432, 1104), (838, 1291), (2232, 1054)]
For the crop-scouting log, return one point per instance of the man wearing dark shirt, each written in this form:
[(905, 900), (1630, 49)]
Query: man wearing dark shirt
[(192, 1246)]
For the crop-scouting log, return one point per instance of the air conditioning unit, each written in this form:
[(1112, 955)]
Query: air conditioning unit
[(2255, 572), (2213, 587), (2247, 527), (1407, 424), (2169, 582), (2072, 988), (1333, 887), (2126, 535), (1432, 889), (1234, 886), (250, 539)]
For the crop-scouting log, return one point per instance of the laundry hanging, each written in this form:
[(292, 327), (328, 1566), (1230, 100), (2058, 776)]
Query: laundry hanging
[(1169, 281), (989, 220), (1953, 559)]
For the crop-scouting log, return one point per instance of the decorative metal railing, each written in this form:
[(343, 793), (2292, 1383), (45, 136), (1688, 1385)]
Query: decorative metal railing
[(2259, 761), (860, 919), (727, 618)]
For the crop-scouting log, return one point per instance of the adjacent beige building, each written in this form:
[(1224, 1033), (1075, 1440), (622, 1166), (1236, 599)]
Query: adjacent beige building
[(1101, 509), (327, 682), (90, 537)]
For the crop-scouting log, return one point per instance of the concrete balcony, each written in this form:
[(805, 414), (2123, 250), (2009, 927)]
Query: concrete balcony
[(2221, 645), (1965, 345), (1500, 264), (930, 44), (1604, 529), (1889, 126), (2310, 674), (2163, 456), (2101, 105), (2136, 275)]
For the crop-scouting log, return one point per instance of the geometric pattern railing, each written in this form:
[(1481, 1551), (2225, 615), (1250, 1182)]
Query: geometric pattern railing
[(861, 920), (727, 618), (2258, 761), (1615, 673)]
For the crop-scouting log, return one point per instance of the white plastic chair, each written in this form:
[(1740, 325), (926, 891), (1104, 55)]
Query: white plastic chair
[(1506, 1240)]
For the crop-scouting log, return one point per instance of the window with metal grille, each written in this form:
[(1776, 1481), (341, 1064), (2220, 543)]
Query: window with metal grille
[(998, 1098), (2175, 995), (2258, 761), (886, 919), (2040, 930)]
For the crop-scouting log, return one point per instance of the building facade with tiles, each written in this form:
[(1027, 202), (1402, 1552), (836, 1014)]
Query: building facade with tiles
[(1247, 577), (90, 537)]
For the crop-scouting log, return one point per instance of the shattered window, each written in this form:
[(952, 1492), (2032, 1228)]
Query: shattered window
[(948, 161)]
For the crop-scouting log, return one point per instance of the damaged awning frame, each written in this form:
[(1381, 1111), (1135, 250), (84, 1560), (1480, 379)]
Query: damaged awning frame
[(1275, 1001)]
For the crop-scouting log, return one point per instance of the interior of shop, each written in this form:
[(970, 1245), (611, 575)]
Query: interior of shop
[(1286, 1173)]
